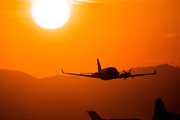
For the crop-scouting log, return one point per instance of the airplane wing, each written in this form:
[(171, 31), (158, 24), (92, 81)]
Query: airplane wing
[(79, 74), (126, 76), (143, 74)]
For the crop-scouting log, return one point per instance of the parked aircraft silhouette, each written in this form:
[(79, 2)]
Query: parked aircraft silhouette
[(95, 116), (109, 73), (161, 114)]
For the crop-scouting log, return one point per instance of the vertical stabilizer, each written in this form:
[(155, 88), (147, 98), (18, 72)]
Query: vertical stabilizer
[(94, 115), (99, 66), (159, 108)]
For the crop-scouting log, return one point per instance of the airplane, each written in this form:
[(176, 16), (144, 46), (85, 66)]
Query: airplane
[(161, 114), (95, 116), (109, 73)]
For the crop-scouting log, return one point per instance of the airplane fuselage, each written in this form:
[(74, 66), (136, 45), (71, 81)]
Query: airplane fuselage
[(107, 73)]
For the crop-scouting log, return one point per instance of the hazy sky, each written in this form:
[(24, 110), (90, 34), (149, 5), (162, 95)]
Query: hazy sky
[(121, 33)]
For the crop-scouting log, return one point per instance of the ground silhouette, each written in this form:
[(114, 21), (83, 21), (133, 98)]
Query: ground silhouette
[(160, 112), (68, 97)]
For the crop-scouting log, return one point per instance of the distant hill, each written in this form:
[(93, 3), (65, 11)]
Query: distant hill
[(69, 97)]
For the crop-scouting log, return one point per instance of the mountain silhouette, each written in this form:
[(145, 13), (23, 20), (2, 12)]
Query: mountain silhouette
[(69, 97)]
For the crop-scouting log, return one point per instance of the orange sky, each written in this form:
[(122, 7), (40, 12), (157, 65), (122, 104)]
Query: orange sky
[(121, 33)]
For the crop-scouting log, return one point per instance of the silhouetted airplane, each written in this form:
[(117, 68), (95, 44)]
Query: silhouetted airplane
[(109, 73), (161, 114), (95, 116)]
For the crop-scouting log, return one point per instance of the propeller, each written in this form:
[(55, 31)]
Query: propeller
[(130, 70), (127, 72)]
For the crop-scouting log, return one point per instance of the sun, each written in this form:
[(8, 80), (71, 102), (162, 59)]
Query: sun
[(50, 14)]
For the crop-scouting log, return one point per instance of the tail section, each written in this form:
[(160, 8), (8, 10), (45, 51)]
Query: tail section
[(99, 66), (94, 115), (159, 108)]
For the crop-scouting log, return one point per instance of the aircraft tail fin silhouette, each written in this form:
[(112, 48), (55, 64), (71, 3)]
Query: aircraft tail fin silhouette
[(94, 115), (161, 114), (99, 66), (159, 108)]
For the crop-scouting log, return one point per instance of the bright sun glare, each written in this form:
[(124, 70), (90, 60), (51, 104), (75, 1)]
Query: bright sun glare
[(50, 14)]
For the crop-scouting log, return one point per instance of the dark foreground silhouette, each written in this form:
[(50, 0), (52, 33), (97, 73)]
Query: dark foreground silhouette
[(161, 114), (95, 116), (109, 73), (68, 97)]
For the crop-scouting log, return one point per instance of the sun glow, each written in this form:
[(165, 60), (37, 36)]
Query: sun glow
[(50, 14)]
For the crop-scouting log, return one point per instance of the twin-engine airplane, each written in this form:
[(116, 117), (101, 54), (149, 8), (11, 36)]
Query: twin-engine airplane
[(109, 73)]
